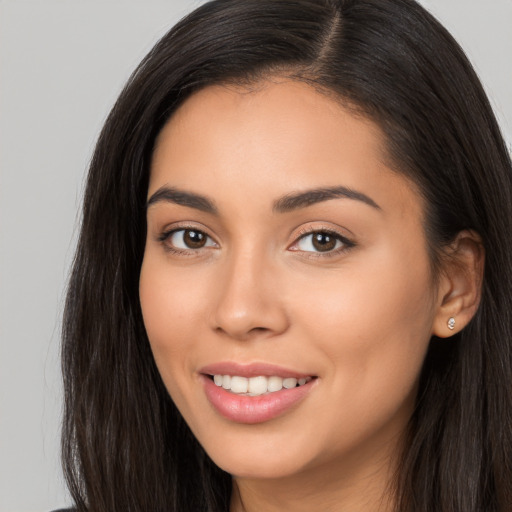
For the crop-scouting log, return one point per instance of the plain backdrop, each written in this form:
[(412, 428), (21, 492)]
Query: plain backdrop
[(62, 64)]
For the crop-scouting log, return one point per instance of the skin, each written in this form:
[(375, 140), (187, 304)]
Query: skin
[(359, 317)]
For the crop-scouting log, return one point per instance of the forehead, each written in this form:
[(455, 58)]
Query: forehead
[(274, 137), (288, 111)]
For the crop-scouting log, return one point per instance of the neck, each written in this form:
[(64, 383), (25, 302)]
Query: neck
[(353, 486)]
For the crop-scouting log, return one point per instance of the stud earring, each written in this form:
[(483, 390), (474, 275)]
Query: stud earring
[(451, 323)]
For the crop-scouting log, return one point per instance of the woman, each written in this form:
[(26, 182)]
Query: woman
[(292, 289)]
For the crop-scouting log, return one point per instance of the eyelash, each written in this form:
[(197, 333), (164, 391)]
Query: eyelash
[(303, 234)]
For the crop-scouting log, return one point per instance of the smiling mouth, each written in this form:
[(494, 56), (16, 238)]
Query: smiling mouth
[(256, 386)]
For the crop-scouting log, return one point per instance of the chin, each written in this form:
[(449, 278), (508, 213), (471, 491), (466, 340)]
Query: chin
[(258, 468), (262, 457)]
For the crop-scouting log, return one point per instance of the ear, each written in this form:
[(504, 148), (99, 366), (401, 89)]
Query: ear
[(460, 284)]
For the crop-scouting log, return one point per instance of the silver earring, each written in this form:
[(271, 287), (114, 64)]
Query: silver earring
[(451, 323)]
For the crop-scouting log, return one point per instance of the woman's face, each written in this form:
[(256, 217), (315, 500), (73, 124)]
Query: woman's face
[(281, 251)]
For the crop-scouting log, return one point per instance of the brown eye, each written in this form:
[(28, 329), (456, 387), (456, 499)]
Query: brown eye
[(323, 241), (185, 239), (194, 239)]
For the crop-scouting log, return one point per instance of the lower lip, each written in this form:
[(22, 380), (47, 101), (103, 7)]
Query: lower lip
[(254, 409)]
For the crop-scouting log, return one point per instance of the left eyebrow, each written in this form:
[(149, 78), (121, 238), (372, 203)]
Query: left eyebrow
[(183, 198), (307, 198)]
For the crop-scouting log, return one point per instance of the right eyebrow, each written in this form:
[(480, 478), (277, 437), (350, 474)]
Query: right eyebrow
[(183, 198)]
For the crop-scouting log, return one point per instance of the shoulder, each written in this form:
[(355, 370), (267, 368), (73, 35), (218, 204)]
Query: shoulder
[(65, 510)]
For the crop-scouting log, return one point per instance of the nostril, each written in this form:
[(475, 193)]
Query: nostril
[(243, 334), (258, 329)]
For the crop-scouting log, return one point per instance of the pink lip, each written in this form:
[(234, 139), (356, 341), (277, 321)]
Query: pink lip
[(250, 370), (252, 409)]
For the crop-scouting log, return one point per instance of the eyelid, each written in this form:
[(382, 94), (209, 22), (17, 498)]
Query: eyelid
[(179, 225)]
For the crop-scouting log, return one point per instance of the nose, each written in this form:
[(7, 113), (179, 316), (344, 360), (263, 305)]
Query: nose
[(250, 301)]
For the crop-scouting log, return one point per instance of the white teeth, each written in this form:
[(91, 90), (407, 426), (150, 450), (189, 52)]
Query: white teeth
[(239, 384), (289, 383), (226, 381), (255, 386), (274, 384)]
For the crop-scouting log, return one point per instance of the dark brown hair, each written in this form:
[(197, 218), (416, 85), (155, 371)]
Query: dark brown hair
[(125, 446)]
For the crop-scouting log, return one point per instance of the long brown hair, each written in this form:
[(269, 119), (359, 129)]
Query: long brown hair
[(125, 445)]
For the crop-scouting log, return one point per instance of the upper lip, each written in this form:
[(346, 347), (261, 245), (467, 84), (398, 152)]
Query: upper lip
[(251, 370)]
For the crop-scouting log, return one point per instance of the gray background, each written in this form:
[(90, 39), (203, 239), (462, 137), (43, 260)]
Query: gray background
[(62, 64)]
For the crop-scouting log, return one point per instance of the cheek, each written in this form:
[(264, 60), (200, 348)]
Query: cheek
[(374, 328), (170, 300), (170, 306)]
